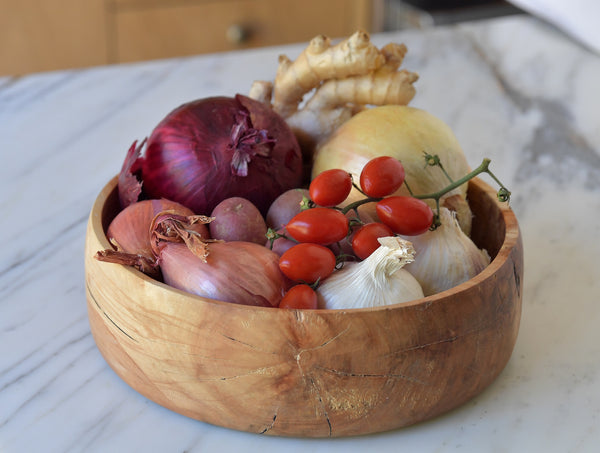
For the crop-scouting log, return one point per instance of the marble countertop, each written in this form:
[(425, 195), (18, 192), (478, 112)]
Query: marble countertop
[(513, 89)]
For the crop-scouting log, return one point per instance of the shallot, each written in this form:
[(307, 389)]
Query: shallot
[(129, 231), (237, 219), (237, 272)]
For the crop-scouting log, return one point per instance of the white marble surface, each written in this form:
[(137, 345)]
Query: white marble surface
[(513, 89)]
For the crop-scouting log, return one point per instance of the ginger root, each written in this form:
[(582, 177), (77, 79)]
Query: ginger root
[(342, 79)]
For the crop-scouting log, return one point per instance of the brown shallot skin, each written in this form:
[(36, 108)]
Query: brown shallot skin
[(129, 231), (238, 272)]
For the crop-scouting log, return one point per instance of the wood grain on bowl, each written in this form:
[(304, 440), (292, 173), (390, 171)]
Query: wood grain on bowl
[(312, 373)]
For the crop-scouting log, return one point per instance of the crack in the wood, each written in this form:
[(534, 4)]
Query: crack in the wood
[(373, 375), (422, 346), (322, 404), (238, 376), (517, 278), (325, 343), (250, 345), (270, 426), (106, 314)]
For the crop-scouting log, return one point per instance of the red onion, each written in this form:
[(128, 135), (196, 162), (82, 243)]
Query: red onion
[(215, 148), (238, 272)]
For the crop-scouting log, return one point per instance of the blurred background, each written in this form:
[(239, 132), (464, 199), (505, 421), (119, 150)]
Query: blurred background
[(43, 35)]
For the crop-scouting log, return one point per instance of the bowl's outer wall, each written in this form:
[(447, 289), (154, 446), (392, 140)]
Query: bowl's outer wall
[(313, 373)]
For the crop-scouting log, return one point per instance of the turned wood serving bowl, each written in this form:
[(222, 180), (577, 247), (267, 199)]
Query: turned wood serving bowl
[(309, 373)]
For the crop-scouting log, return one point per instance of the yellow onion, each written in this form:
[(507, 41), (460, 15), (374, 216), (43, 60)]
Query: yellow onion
[(408, 134)]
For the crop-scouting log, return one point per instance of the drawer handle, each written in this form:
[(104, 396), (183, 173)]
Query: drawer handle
[(236, 34)]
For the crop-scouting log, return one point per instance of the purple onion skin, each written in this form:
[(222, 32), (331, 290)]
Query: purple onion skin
[(189, 155)]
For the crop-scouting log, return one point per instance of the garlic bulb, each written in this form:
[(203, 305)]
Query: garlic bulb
[(445, 257), (378, 280)]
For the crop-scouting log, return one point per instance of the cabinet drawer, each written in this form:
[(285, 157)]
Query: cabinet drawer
[(44, 35), (149, 30)]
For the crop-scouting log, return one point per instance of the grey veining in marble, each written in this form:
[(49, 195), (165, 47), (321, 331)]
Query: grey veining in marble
[(514, 89)]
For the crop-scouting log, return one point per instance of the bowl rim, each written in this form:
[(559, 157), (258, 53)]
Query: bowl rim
[(510, 241)]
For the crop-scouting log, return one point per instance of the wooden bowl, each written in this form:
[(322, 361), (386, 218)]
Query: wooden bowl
[(311, 373)]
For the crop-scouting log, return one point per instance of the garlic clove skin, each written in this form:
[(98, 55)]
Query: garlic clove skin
[(459, 204), (446, 256), (377, 281)]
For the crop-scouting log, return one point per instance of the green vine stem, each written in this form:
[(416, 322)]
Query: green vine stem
[(503, 193)]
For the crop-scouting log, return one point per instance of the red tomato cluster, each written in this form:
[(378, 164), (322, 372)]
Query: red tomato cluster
[(318, 227)]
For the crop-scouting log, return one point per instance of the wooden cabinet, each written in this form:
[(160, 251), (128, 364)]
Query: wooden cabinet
[(39, 35)]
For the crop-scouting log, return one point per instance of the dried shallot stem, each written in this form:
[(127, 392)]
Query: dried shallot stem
[(140, 262), (169, 227)]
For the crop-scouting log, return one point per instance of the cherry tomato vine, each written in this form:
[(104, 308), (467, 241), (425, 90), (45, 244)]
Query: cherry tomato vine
[(321, 223)]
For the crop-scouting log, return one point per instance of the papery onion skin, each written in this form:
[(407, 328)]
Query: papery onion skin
[(403, 132), (191, 155), (238, 272), (130, 229)]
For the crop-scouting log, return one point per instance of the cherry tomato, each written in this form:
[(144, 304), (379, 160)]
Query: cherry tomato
[(405, 215), (381, 176), (364, 241), (307, 262), (330, 187), (319, 225), (299, 296)]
